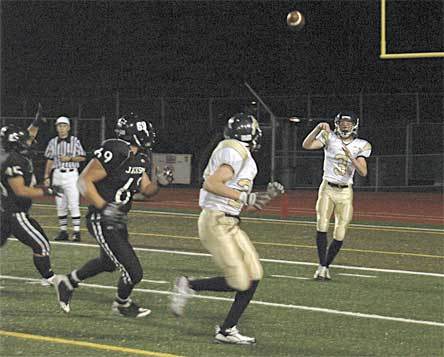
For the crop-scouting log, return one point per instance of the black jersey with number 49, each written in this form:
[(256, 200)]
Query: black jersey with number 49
[(16, 165), (124, 172)]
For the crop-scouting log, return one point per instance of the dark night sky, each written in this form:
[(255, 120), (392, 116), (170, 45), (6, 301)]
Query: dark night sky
[(201, 48)]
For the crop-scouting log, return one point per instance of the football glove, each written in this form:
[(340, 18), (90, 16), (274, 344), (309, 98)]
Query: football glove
[(113, 215), (275, 189), (53, 191), (39, 120), (257, 200), (164, 177)]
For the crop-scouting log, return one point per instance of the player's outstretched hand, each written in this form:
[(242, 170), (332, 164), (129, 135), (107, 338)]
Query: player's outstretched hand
[(257, 200), (164, 177), (53, 191), (113, 215), (39, 120), (275, 189)]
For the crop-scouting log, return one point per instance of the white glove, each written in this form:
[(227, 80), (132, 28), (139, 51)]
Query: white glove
[(256, 199), (164, 177), (275, 189)]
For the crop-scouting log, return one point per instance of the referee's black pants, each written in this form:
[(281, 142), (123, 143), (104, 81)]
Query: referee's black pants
[(116, 252)]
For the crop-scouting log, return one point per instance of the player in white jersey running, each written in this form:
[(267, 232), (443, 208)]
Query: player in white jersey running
[(227, 189), (344, 153)]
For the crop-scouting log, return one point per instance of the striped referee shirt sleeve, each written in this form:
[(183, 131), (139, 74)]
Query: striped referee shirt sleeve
[(51, 149), (79, 149)]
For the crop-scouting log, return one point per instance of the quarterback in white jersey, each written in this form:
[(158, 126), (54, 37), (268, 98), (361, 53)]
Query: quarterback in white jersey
[(344, 153), (227, 189)]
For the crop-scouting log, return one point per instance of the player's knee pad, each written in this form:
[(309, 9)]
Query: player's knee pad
[(340, 230), (136, 276)]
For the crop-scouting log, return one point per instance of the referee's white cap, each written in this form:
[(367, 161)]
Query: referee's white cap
[(62, 120)]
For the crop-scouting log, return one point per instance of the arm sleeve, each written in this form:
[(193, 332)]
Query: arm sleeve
[(365, 151), (112, 154), (323, 137), (230, 157), (79, 149), (49, 152)]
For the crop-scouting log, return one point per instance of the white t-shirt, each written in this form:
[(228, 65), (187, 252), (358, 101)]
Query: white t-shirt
[(235, 154), (338, 168)]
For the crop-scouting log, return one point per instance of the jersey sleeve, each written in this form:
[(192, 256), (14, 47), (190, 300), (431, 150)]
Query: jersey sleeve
[(231, 157), (366, 150), (49, 152), (79, 148), (323, 137), (111, 154), (13, 168)]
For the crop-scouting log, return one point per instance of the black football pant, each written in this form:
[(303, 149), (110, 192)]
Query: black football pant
[(116, 252), (28, 231)]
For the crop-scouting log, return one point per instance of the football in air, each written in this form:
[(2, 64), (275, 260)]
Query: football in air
[(295, 20)]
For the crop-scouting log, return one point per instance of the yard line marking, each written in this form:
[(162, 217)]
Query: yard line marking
[(265, 303), (289, 277), (358, 275), (156, 281), (438, 231), (267, 260), (280, 244), (90, 345)]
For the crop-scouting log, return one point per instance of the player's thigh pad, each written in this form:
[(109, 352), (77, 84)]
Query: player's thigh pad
[(324, 207), (343, 212), (216, 232)]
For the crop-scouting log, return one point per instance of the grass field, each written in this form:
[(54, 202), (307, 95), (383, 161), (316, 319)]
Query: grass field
[(386, 297)]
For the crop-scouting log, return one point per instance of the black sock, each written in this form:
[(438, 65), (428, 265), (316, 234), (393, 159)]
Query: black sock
[(91, 268), (43, 265), (241, 301), (210, 284), (321, 243), (123, 290), (333, 250)]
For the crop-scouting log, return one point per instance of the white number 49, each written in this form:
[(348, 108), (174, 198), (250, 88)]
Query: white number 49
[(108, 155)]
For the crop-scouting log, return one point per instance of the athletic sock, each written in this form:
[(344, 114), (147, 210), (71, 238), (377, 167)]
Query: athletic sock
[(124, 290), (210, 284), (90, 268), (241, 301), (63, 223), (76, 223), (333, 250), (43, 265), (321, 243)]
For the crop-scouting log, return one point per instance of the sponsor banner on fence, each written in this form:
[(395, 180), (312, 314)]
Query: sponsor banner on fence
[(179, 163)]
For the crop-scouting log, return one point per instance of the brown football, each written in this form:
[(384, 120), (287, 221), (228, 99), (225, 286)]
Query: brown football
[(295, 20)]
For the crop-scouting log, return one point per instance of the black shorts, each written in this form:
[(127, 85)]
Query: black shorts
[(116, 248), (26, 229)]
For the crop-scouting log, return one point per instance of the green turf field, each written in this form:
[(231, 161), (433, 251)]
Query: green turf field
[(386, 297)]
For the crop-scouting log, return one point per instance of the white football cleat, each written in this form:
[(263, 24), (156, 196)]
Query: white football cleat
[(129, 309), (325, 273), (232, 336), (181, 293), (64, 291), (317, 274)]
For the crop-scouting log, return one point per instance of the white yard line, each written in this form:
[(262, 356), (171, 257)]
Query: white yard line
[(358, 275), (265, 303), (278, 261), (352, 225), (155, 281), (289, 277)]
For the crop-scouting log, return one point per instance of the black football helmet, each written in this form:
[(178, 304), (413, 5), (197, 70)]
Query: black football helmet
[(138, 132), (14, 139), (348, 116), (244, 127)]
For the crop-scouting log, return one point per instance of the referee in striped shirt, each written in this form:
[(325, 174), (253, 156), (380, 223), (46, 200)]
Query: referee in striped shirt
[(63, 154)]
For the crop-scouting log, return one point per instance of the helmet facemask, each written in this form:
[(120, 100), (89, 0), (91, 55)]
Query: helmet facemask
[(352, 131), (245, 128), (15, 139)]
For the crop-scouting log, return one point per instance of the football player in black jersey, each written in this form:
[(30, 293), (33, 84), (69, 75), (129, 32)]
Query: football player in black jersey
[(117, 171), (17, 192)]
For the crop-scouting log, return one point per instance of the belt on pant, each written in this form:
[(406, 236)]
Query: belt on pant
[(232, 216), (66, 170), (336, 185)]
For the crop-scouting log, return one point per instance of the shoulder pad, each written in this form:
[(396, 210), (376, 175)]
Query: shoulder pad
[(235, 145)]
